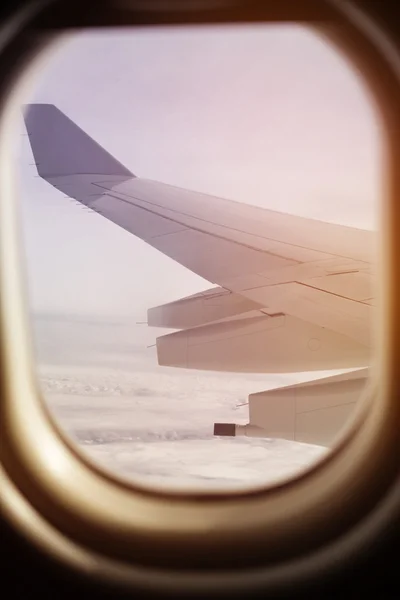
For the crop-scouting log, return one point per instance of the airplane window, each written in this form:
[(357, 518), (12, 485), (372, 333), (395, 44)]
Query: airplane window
[(200, 216)]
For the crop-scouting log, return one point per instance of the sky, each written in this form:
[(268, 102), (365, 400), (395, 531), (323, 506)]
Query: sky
[(267, 115)]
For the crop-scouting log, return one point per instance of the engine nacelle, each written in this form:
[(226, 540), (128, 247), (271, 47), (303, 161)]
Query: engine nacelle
[(261, 344), (314, 412)]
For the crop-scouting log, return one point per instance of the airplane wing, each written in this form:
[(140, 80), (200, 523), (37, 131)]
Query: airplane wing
[(290, 294)]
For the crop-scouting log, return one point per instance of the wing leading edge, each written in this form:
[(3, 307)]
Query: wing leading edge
[(292, 294)]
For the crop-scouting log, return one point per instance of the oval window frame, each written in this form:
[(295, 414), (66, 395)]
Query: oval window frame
[(196, 535)]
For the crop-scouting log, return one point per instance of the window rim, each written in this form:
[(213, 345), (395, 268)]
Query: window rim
[(41, 485)]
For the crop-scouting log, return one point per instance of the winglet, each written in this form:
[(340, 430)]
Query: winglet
[(60, 147)]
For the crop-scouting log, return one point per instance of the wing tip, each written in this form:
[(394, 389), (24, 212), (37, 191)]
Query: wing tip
[(61, 147)]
